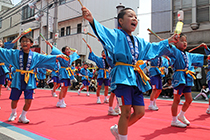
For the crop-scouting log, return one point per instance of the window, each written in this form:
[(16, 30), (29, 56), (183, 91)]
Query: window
[(0, 22), (62, 1), (68, 30), (62, 31), (202, 2), (79, 28), (51, 35), (10, 21), (27, 12), (203, 11), (186, 6)]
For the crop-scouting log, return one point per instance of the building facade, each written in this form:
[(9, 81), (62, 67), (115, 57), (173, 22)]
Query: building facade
[(9, 20), (71, 27), (196, 20)]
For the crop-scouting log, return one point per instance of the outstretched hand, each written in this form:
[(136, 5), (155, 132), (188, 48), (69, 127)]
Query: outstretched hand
[(204, 45), (63, 57), (174, 38), (87, 14)]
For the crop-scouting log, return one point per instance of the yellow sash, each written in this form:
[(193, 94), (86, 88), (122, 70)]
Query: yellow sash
[(27, 74), (136, 68), (2, 64), (10, 75), (105, 70), (188, 72), (70, 72), (36, 77), (160, 68)]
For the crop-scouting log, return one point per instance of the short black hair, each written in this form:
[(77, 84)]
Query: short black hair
[(27, 36), (122, 13), (64, 48), (182, 34)]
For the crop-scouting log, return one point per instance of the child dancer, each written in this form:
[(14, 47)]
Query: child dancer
[(103, 74), (85, 78), (24, 61), (156, 72), (183, 63), (56, 81), (204, 92), (207, 50), (65, 72), (10, 76), (42, 76), (127, 53), (3, 69)]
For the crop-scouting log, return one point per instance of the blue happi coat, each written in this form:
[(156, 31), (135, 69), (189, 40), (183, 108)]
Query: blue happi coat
[(38, 60), (63, 73), (181, 63), (156, 64), (85, 72), (117, 50), (100, 62)]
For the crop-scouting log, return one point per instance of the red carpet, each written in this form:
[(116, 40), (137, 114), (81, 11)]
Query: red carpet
[(83, 119)]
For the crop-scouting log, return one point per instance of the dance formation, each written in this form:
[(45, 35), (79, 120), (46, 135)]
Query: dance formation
[(120, 66)]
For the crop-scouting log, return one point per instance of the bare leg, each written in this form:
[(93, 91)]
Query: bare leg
[(175, 104), (188, 100), (98, 91)]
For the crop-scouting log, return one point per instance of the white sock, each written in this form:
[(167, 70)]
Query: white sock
[(105, 97), (60, 100), (110, 108), (13, 111), (123, 137), (87, 92), (151, 103), (98, 98), (154, 102), (181, 113), (174, 118), (209, 107), (23, 113), (117, 105)]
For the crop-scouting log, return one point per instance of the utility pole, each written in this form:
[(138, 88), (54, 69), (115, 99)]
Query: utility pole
[(55, 25)]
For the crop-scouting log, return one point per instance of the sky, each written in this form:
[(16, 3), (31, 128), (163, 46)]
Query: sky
[(144, 18), (15, 1)]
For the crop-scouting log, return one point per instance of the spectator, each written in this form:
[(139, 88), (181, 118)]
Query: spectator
[(167, 89), (198, 72), (204, 92)]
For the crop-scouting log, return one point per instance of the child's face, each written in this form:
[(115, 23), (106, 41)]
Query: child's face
[(25, 44), (85, 66), (129, 21), (103, 55), (182, 43), (1, 43), (67, 51)]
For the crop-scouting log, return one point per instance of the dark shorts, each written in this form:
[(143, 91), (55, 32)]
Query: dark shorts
[(65, 82), (85, 82), (16, 93), (129, 95), (156, 82), (182, 89), (2, 79), (101, 81), (56, 79)]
